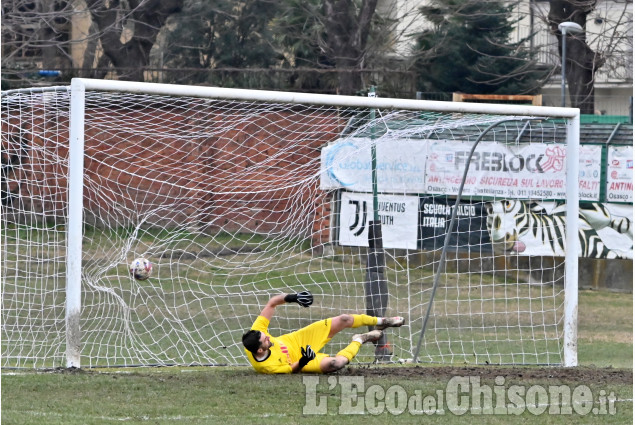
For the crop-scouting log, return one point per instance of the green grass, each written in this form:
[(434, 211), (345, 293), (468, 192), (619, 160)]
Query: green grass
[(605, 330), (227, 395), (238, 396), (209, 287)]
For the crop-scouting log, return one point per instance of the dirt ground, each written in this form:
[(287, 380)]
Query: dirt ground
[(516, 374)]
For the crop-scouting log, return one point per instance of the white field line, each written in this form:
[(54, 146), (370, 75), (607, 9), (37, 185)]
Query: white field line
[(186, 419)]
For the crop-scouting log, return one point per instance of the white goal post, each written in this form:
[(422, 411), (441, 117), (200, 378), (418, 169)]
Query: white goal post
[(233, 196)]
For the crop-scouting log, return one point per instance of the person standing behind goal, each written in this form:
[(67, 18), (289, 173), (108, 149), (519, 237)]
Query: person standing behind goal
[(300, 350)]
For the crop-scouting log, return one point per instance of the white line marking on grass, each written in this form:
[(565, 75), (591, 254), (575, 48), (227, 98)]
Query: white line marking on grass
[(142, 417)]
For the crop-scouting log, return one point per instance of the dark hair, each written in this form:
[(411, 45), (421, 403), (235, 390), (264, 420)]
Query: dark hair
[(251, 341)]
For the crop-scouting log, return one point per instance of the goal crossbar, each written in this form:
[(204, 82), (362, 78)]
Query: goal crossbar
[(320, 99)]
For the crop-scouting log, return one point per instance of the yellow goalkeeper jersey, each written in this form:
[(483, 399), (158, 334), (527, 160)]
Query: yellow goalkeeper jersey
[(283, 352)]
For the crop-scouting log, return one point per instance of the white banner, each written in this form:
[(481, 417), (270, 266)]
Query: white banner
[(529, 171), (400, 165), (435, 167), (399, 217), (619, 174), (590, 172)]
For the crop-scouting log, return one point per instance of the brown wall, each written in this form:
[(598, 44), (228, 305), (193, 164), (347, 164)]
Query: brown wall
[(211, 168)]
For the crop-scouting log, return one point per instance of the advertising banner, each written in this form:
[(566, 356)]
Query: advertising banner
[(518, 227), (619, 174), (398, 215), (590, 172), (497, 170), (346, 164), (536, 170), (470, 228), (538, 228)]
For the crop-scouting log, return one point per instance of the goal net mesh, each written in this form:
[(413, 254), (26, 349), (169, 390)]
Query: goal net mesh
[(235, 201)]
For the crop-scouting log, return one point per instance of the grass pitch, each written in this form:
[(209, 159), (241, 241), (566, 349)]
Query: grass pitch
[(239, 396)]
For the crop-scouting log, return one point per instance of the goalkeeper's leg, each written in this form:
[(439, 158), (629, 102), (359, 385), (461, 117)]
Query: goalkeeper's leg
[(332, 364), (344, 321)]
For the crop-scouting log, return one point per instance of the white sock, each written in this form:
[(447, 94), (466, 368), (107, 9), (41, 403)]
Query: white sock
[(380, 320), (358, 339)]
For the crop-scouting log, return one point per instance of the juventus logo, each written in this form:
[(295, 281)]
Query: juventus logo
[(360, 217)]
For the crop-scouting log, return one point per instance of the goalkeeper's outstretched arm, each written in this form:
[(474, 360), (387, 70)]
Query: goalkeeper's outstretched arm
[(304, 298), (269, 309)]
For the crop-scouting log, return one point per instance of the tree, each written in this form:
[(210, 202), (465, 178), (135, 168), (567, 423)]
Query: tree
[(300, 36), (581, 61), (347, 37), (325, 35), (35, 35), (347, 30), (226, 35), (129, 29), (467, 50), (342, 42)]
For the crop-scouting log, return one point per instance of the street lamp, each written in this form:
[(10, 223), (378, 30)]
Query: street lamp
[(566, 28)]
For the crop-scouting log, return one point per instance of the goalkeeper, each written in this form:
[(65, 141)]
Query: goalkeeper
[(300, 350)]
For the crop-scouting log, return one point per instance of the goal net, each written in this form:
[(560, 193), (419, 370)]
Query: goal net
[(235, 196)]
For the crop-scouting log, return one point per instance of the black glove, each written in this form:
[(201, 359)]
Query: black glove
[(304, 298), (307, 356)]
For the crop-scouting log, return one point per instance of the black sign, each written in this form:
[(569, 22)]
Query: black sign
[(470, 228)]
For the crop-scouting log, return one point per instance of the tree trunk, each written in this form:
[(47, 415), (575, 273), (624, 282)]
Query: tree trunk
[(88, 60), (52, 30), (130, 58), (581, 62), (347, 36)]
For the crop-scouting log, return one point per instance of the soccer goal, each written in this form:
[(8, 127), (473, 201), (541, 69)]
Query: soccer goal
[(452, 215)]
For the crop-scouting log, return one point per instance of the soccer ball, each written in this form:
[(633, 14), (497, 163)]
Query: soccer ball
[(141, 268)]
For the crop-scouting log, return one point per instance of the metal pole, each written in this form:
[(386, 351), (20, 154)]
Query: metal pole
[(323, 99), (373, 158), (74, 227), (563, 84), (376, 286), (572, 245)]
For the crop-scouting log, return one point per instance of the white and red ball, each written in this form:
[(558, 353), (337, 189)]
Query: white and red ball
[(141, 268)]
